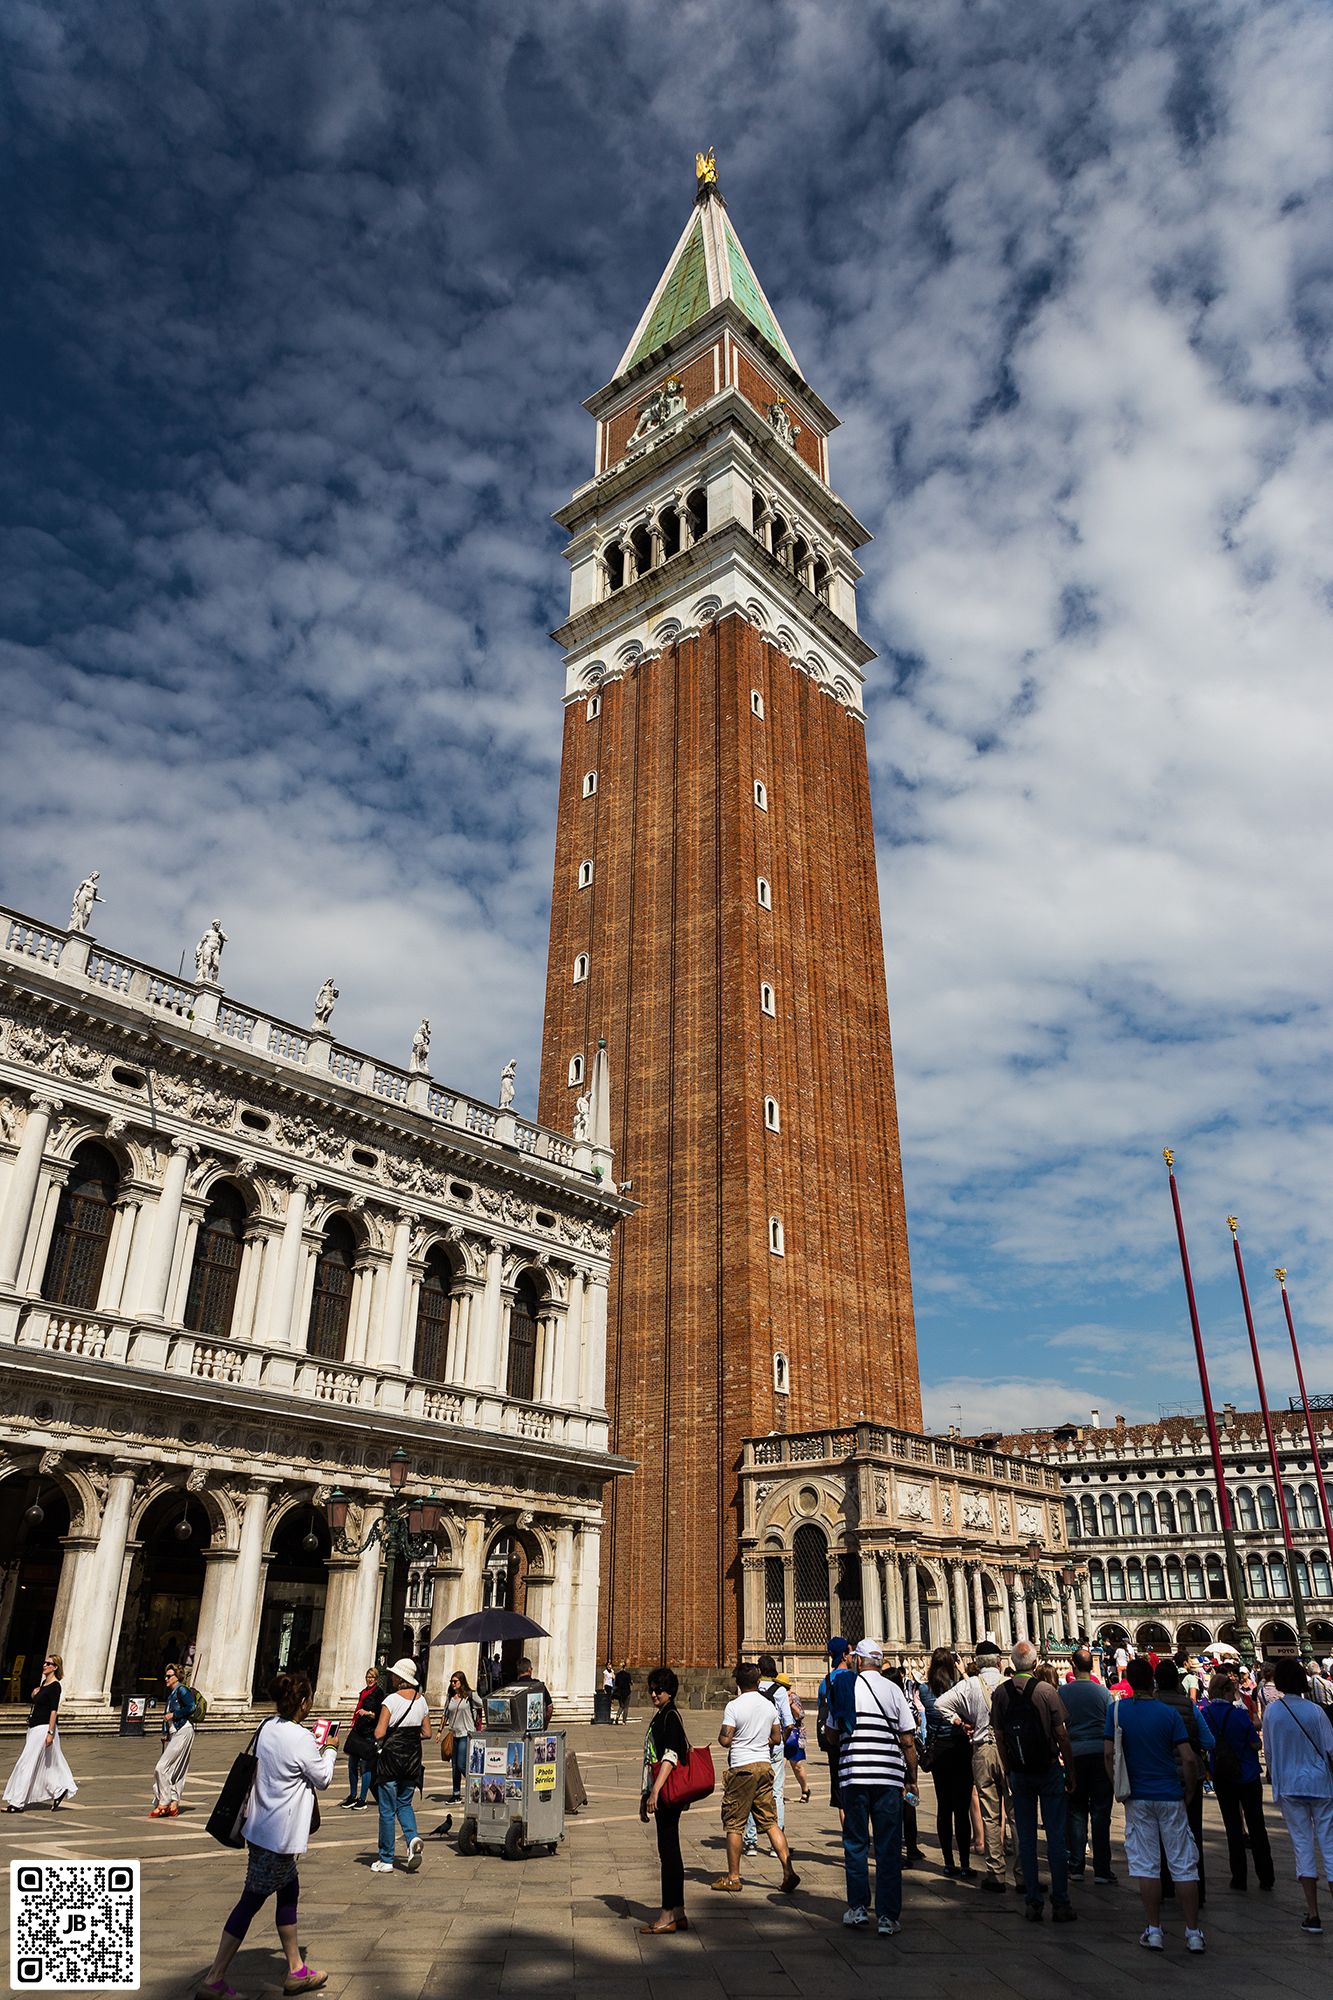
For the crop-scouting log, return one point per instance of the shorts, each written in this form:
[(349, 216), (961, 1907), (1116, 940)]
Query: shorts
[(749, 1789), (1145, 1821)]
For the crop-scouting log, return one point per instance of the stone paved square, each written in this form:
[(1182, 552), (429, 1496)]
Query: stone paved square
[(567, 1925)]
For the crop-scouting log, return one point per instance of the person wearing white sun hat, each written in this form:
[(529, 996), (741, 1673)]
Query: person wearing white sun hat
[(403, 1723)]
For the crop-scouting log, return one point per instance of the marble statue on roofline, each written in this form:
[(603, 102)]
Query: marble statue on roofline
[(420, 1048), (324, 1004), (208, 954), (582, 1119), (85, 896), (507, 1075)]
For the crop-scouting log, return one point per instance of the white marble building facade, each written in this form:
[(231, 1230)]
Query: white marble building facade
[(240, 1266)]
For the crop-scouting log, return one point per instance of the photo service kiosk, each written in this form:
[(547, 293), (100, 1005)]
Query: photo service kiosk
[(515, 1797)]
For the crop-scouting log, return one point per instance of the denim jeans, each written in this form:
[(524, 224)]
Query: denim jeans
[(395, 1804), (1027, 1794), (777, 1758), (358, 1777), (1091, 1803), (866, 1807), (459, 1764)]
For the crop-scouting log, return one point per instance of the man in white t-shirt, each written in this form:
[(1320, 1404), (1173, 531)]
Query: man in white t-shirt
[(750, 1729)]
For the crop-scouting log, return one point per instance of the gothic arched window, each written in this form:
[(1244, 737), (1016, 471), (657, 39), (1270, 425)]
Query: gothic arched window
[(331, 1304), (73, 1275), (216, 1270), (434, 1306), (522, 1371), (810, 1586)]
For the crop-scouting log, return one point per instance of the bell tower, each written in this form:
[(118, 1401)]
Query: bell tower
[(715, 921)]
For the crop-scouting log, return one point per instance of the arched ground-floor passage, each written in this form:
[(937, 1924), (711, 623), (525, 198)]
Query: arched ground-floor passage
[(291, 1627), (34, 1522), (164, 1592)]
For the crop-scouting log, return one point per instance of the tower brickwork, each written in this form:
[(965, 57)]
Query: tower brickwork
[(715, 921)]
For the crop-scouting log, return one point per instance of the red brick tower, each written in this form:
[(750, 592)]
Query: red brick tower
[(715, 919)]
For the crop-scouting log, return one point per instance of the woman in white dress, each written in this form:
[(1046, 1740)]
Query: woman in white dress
[(42, 1777)]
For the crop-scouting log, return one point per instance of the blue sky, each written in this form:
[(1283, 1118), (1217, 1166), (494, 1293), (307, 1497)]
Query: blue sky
[(302, 303)]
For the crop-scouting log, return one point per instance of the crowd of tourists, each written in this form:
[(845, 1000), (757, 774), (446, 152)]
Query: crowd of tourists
[(1023, 1756)]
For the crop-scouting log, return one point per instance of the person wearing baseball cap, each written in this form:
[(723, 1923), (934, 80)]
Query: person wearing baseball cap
[(876, 1772), (838, 1650)]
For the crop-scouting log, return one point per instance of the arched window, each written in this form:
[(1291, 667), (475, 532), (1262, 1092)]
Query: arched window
[(1185, 1510), (216, 1270), (434, 1306), (1071, 1521), (1097, 1580), (763, 890), (1309, 1506), (1175, 1578), (522, 1373), (810, 1586), (1126, 1514), (1134, 1576), (1268, 1507), (772, 1116), (767, 1004), (585, 874), (1108, 1516), (1247, 1514), (1156, 1582), (331, 1303), (1323, 1582), (696, 508), (1166, 1518), (589, 783), (73, 1275), (775, 1606), (1277, 1577), (1116, 1575), (1258, 1577), (580, 968), (756, 703), (1147, 1518), (1089, 1513), (1207, 1515), (761, 794), (576, 1069), (1194, 1576), (1216, 1582), (1290, 1498), (1302, 1573), (775, 1237)]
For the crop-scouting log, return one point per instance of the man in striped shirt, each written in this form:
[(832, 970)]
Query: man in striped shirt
[(876, 1770)]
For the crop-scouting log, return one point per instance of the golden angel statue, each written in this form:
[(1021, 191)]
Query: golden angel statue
[(705, 168)]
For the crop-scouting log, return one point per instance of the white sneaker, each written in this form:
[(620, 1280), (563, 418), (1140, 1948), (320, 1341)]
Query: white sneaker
[(381, 1868), (889, 1927), (1195, 1941), (1152, 1938), (857, 1917), (415, 1850)]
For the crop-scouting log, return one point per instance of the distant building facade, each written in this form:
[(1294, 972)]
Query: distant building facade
[(1141, 1523), (240, 1266)]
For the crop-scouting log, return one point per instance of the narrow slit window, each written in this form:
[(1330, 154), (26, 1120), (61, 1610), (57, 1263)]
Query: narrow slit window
[(594, 707), (756, 703), (766, 1001), (589, 783), (772, 1116), (761, 795), (575, 1069), (764, 891), (580, 968), (585, 874), (775, 1242)]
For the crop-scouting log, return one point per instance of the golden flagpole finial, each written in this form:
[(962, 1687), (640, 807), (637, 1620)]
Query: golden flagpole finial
[(1168, 1156), (1280, 1273), (1231, 1224)]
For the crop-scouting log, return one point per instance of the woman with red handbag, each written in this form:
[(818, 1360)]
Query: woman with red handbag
[(664, 1748)]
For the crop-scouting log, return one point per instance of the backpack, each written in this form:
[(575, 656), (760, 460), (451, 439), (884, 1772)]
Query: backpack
[(825, 1741), (1027, 1741), (200, 1707)]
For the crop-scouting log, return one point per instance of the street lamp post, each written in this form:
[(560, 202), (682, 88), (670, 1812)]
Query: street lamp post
[(1036, 1590), (405, 1531)]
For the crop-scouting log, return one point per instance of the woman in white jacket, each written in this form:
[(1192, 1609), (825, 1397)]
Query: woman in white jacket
[(289, 1771)]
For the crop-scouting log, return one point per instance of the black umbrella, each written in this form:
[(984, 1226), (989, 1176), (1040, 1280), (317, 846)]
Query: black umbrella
[(480, 1626)]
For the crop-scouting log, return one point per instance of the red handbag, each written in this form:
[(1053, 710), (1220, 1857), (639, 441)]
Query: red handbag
[(690, 1781)]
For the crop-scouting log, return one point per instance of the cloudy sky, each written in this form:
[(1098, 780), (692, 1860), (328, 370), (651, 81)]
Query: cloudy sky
[(302, 301)]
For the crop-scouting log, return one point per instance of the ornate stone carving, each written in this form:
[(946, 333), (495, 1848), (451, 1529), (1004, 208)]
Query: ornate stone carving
[(913, 1502), (779, 415), (881, 1494), (976, 1511), (665, 403), (197, 1480), (1030, 1520), (9, 1119), (81, 909), (582, 1119), (1005, 1525), (325, 1001), (946, 1509), (211, 1107)]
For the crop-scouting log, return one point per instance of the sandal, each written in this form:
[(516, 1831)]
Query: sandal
[(172, 1811), (658, 1930), (158, 1812), (729, 1885)]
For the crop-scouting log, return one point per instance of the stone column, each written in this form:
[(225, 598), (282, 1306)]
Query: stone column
[(893, 1600), (487, 1360), (463, 1326), (568, 1391), (1085, 1604), (978, 1603), (210, 1642), (291, 1268), (351, 1618), (1020, 1604), (91, 1629), (22, 1185), (592, 1377), (444, 1606), (911, 1604), (562, 1677), (753, 1602), (233, 1663), (960, 1628), (395, 1333), (872, 1602), (166, 1222), (124, 1229), (583, 1620)]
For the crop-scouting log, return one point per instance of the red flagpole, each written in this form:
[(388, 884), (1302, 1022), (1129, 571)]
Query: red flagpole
[(1297, 1596), (1244, 1636), (1281, 1276)]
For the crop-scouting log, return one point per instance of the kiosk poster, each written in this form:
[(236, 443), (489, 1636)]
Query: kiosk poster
[(536, 1710), (474, 1791), (497, 1711), (495, 1759), (514, 1760), (543, 1769), (476, 1756)]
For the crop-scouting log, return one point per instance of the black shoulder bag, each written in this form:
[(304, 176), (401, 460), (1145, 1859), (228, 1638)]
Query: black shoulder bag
[(227, 1818)]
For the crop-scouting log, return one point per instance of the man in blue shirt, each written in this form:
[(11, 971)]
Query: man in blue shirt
[(1085, 1704), (1161, 1771)]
